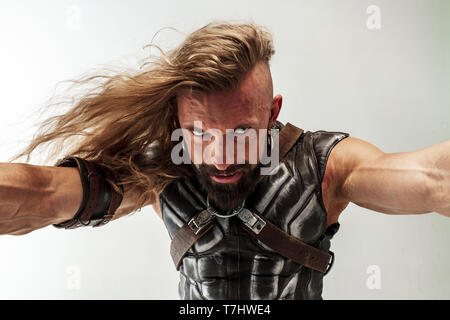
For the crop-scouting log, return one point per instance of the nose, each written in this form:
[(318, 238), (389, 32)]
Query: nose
[(219, 158), (219, 153), (221, 167)]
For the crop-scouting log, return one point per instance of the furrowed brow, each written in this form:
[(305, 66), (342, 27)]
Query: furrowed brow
[(242, 125)]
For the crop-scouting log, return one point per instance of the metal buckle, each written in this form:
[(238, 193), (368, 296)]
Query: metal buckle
[(251, 220), (215, 212), (330, 264), (200, 221), (101, 221)]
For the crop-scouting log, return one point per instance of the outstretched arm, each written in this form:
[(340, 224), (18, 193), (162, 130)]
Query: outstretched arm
[(33, 197), (396, 183)]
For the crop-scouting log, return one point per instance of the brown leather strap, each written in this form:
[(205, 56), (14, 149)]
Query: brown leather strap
[(185, 238), (94, 179), (116, 200), (288, 135), (100, 200), (283, 243)]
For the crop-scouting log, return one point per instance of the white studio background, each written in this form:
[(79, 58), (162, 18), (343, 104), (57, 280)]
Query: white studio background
[(379, 70)]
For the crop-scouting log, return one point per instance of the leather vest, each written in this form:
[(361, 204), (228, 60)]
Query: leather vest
[(227, 262)]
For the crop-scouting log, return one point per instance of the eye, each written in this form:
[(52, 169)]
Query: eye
[(197, 132), (240, 130)]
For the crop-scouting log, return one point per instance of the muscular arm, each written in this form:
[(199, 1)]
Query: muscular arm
[(33, 197), (397, 183)]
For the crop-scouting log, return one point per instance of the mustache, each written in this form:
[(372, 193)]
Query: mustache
[(227, 196), (212, 170)]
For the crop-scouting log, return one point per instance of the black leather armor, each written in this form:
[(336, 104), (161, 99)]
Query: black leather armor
[(227, 262)]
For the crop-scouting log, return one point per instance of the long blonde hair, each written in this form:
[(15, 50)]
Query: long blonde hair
[(117, 120)]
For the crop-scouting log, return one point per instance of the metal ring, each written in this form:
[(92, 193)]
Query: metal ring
[(215, 212)]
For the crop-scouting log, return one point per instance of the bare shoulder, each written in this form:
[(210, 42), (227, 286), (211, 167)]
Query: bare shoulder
[(345, 156)]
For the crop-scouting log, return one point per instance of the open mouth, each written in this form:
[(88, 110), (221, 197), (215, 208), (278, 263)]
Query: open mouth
[(227, 178)]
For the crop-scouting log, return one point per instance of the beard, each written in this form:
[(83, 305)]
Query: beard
[(228, 196)]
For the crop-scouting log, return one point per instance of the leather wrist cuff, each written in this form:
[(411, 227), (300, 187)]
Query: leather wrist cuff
[(100, 200)]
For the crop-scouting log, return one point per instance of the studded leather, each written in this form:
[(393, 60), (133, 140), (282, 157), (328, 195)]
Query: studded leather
[(227, 262)]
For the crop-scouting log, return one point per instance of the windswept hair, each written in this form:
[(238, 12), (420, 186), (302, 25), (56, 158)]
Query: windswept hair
[(126, 114)]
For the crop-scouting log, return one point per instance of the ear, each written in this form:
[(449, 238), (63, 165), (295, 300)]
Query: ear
[(275, 109)]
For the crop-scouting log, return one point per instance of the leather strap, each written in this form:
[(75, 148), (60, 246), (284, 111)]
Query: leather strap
[(100, 200), (288, 135), (186, 236), (114, 203), (283, 243)]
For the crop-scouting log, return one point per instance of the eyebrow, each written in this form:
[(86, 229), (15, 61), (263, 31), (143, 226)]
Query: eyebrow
[(242, 125)]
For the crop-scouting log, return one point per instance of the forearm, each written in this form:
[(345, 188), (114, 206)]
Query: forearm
[(438, 159), (32, 197)]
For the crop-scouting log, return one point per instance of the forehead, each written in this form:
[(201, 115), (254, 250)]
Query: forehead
[(248, 103), (220, 110)]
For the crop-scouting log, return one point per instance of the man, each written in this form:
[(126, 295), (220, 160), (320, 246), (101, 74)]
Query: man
[(236, 233)]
